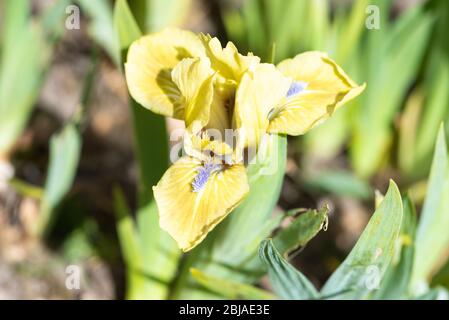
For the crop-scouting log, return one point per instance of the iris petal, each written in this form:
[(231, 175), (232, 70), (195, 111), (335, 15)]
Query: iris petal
[(328, 88), (228, 61), (258, 93), (194, 78), (148, 69), (189, 215)]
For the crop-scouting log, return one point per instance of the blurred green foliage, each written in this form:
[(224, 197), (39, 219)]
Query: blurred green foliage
[(388, 59), (394, 258), (25, 50)]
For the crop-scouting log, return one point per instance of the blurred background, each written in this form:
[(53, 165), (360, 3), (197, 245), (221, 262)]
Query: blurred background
[(66, 127)]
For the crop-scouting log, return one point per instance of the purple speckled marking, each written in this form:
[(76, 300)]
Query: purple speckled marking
[(296, 88), (203, 175)]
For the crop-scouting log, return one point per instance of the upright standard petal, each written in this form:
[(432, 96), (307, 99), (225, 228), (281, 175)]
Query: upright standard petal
[(204, 95), (319, 87), (228, 61), (193, 197), (194, 79), (222, 105), (148, 69), (259, 92)]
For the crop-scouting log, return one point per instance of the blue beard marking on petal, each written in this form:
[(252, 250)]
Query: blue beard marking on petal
[(296, 88), (203, 175)]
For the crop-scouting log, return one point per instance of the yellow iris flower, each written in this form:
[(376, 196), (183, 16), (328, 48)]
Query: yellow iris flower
[(179, 74)]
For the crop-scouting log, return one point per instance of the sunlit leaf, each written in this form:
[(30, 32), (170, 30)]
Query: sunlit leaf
[(126, 229), (395, 284), (22, 62), (287, 282), (432, 238), (125, 24), (391, 65), (101, 27), (340, 183), (368, 261), (301, 230)]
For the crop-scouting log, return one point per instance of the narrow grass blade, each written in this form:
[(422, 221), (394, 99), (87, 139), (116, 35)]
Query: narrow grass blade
[(101, 27), (351, 31), (65, 149), (24, 54), (253, 16), (434, 112), (408, 131), (127, 231), (26, 189), (162, 13), (432, 238), (341, 183)]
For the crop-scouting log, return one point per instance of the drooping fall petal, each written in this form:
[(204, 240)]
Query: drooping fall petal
[(193, 197), (319, 87)]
